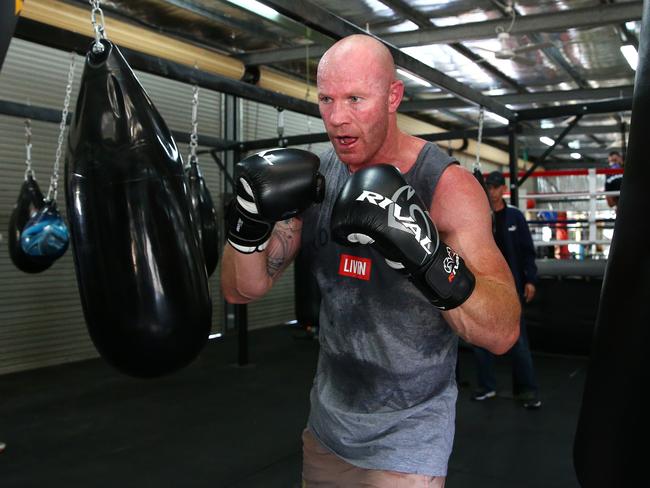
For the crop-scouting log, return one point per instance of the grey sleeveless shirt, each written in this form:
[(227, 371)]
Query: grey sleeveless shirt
[(384, 394)]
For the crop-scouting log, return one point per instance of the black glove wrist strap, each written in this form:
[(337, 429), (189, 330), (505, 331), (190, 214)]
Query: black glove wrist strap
[(247, 232), (448, 282)]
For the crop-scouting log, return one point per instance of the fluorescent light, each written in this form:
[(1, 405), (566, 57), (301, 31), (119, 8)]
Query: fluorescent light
[(632, 57), (377, 6), (257, 8), (631, 25), (413, 77), (214, 336), (576, 155), (405, 26), (498, 118), (546, 140), (574, 144), (547, 124)]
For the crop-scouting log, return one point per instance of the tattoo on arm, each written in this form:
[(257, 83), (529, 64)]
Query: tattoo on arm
[(280, 246)]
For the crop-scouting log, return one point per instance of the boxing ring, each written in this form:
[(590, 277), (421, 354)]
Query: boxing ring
[(567, 224)]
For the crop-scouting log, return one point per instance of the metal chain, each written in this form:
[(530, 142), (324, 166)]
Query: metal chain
[(28, 149), (98, 27), (280, 126), (194, 136), (481, 117), (54, 179)]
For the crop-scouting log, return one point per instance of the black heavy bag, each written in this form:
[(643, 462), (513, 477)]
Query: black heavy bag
[(205, 216), (30, 201), (610, 448), (140, 269)]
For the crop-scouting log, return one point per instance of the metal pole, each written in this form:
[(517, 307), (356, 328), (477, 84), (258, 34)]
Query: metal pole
[(512, 160), (236, 316), (623, 140), (9, 11)]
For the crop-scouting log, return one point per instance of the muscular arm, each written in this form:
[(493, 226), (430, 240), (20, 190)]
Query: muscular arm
[(247, 277), (490, 316)]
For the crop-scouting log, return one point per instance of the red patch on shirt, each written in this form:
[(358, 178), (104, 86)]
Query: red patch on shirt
[(355, 267)]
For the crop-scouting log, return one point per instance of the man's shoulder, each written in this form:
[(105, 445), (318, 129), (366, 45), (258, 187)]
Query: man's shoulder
[(513, 209), (515, 213)]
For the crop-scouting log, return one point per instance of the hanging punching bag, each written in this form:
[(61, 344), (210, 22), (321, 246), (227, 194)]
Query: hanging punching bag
[(140, 269), (30, 201), (613, 427), (45, 237), (205, 215)]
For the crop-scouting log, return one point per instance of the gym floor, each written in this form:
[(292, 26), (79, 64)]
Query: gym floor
[(221, 426)]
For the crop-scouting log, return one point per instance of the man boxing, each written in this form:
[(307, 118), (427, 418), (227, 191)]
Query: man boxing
[(383, 400)]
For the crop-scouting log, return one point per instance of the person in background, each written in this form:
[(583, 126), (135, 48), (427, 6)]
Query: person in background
[(513, 239), (613, 182)]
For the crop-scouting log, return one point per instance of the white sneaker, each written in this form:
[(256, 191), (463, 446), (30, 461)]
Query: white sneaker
[(481, 395)]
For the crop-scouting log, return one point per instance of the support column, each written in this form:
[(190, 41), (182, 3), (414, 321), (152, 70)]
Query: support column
[(235, 316), (9, 10), (512, 162)]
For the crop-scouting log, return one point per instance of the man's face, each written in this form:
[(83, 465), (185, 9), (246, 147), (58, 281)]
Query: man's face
[(355, 107), (496, 193), (615, 159)]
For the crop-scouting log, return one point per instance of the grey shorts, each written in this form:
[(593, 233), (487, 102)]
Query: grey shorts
[(323, 469)]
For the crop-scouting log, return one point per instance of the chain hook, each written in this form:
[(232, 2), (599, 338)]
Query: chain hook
[(280, 126), (28, 149), (98, 27), (194, 136), (54, 179), (481, 117)]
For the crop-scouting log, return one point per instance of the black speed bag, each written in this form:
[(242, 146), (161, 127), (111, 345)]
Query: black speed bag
[(29, 202), (205, 215), (140, 269)]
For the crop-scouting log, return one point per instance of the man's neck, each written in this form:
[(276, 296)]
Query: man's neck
[(402, 151), (500, 205)]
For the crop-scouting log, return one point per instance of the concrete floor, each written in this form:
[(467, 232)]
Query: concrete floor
[(218, 425)]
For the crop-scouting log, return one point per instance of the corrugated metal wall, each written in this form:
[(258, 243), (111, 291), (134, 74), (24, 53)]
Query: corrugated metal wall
[(41, 321)]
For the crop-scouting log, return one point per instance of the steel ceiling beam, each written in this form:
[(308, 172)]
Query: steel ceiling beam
[(619, 105), (585, 151), (526, 24), (574, 164), (423, 21), (323, 137), (580, 130), (548, 22), (327, 23), (558, 140), (45, 114), (552, 52), (520, 99)]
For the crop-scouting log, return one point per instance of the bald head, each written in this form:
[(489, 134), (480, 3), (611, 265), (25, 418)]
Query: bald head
[(363, 54)]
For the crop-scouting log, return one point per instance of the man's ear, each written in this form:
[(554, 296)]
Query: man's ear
[(395, 95)]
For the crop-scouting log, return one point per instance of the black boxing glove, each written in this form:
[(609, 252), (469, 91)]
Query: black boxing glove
[(272, 185), (376, 206)]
